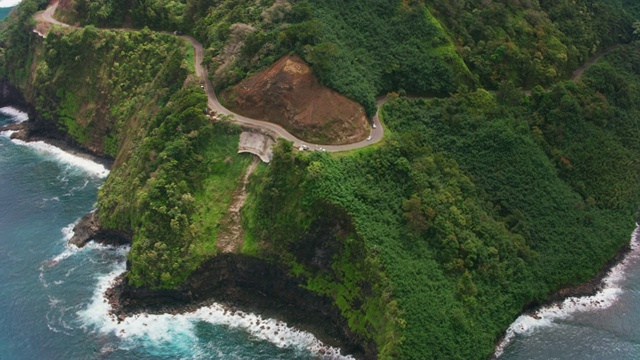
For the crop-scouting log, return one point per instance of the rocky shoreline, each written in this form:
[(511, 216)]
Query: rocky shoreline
[(40, 129), (242, 285), (89, 229), (24, 131), (232, 280), (589, 288)]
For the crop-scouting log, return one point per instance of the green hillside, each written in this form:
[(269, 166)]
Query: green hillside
[(482, 198)]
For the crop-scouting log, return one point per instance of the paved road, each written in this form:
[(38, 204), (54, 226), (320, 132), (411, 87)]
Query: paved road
[(47, 16), (274, 129)]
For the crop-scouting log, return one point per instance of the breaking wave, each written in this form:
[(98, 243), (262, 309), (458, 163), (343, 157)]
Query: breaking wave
[(63, 157), (179, 331), (17, 115)]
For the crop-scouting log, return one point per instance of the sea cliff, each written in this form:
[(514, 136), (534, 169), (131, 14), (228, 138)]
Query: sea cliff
[(428, 244)]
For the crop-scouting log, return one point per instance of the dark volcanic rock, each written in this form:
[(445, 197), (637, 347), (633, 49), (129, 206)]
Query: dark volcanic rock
[(88, 228), (11, 96), (253, 285)]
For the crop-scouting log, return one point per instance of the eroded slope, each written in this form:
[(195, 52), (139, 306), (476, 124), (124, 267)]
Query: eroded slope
[(289, 94)]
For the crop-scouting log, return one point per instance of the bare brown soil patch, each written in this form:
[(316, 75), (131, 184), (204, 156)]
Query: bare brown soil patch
[(289, 94), (43, 27)]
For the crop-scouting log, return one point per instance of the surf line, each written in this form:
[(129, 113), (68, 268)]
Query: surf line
[(91, 167), (163, 328), (16, 115), (157, 330), (611, 290)]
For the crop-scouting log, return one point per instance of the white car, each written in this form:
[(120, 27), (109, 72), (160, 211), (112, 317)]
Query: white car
[(373, 126), (369, 138)]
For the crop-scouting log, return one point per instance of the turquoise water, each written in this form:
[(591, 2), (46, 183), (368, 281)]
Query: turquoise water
[(51, 304), (4, 12)]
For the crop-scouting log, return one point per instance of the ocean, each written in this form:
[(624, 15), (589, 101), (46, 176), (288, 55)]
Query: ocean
[(603, 326), (5, 9), (51, 293), (51, 303)]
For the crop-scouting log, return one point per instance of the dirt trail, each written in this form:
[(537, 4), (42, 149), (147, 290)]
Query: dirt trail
[(579, 71), (577, 74), (231, 236)]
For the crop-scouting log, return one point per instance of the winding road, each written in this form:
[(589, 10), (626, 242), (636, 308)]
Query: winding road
[(274, 129), (213, 102)]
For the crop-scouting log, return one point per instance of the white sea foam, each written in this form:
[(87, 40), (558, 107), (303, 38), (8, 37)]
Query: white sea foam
[(611, 291), (180, 329), (76, 188), (67, 231), (7, 133), (64, 157), (69, 250), (17, 115)]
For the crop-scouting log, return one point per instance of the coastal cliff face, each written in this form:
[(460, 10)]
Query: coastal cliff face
[(93, 90), (254, 285), (11, 96), (426, 245)]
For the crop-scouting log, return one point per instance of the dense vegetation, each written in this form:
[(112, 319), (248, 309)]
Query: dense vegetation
[(360, 48), (430, 243), (533, 42), (97, 86), (131, 95), (171, 190), (364, 49), (474, 207)]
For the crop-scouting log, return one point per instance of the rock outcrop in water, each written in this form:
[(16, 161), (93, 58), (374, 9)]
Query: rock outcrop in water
[(88, 229)]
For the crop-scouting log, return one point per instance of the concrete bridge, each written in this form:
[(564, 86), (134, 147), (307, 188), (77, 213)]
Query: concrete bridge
[(257, 143)]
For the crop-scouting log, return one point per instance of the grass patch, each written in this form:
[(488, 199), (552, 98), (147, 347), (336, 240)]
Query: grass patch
[(224, 169), (190, 56)]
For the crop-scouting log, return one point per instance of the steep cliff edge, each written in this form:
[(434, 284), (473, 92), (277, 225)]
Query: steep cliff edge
[(426, 245), (248, 284)]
